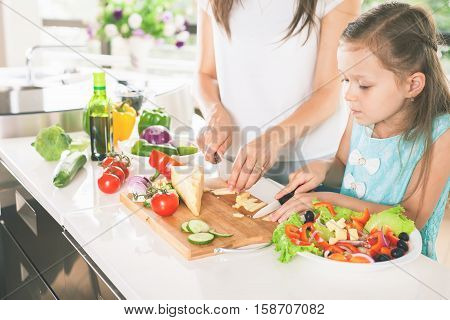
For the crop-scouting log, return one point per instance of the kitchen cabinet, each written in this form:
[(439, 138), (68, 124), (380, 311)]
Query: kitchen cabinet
[(34, 244)]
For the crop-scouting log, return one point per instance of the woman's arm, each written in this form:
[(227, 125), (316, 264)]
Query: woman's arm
[(259, 155), (217, 136)]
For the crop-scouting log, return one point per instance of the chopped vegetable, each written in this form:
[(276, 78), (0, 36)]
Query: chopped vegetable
[(392, 217)]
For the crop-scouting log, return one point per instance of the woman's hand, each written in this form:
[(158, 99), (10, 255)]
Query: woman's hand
[(306, 178), (300, 202), (253, 160), (216, 137)]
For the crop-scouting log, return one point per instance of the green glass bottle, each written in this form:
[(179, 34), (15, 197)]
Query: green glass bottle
[(98, 118)]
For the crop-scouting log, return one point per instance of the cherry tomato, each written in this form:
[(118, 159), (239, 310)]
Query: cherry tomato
[(109, 183), (122, 165), (117, 171), (165, 204)]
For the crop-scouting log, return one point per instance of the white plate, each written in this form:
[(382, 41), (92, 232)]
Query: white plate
[(415, 248)]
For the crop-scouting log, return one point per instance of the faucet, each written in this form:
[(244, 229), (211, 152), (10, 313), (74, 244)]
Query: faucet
[(30, 53)]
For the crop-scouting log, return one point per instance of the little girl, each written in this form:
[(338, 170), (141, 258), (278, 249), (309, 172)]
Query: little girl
[(396, 145)]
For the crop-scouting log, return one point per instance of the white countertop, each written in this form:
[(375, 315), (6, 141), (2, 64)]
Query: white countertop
[(143, 266)]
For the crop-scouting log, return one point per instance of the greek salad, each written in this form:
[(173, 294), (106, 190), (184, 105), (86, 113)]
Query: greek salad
[(341, 234)]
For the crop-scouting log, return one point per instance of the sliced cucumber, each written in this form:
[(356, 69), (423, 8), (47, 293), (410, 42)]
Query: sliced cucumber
[(218, 234), (197, 226), (184, 227), (200, 238)]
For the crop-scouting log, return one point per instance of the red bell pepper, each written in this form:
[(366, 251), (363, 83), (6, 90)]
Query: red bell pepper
[(375, 248), (292, 232), (298, 242), (364, 218), (335, 249), (392, 238), (162, 163), (326, 204), (352, 248), (305, 227)]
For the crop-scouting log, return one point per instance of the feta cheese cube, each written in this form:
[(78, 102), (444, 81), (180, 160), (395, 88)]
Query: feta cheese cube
[(331, 225), (341, 223), (333, 241), (341, 234), (353, 234)]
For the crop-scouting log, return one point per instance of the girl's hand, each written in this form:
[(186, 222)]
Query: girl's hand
[(216, 137), (253, 160), (300, 202), (306, 178)]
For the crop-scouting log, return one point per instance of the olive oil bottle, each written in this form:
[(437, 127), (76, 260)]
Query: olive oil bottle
[(100, 120)]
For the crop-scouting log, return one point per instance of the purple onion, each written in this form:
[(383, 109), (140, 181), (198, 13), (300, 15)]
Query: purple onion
[(156, 135), (117, 13), (179, 44)]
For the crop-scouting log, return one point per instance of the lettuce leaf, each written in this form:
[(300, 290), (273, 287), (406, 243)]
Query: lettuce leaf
[(393, 218), (283, 244)]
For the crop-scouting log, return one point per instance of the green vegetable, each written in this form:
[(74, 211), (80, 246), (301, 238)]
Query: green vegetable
[(68, 167), (324, 233), (153, 117), (143, 148), (51, 142), (187, 150), (285, 246), (325, 214), (393, 218), (79, 144)]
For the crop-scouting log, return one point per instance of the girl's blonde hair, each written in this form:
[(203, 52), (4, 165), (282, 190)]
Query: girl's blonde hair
[(404, 39)]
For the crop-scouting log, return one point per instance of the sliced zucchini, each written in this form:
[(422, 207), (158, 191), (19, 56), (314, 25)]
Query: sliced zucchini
[(184, 227), (200, 238), (197, 226), (218, 234)]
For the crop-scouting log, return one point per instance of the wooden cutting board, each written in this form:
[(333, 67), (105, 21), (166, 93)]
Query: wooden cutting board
[(217, 212)]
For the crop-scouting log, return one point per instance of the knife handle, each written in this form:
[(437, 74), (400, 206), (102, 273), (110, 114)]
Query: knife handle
[(286, 197)]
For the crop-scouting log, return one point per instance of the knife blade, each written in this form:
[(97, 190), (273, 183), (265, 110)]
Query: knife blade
[(273, 205)]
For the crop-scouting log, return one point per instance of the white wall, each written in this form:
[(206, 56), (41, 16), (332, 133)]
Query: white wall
[(18, 33)]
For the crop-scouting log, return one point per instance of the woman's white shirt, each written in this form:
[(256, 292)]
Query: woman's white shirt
[(262, 79)]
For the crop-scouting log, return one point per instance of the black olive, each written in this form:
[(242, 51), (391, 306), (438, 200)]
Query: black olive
[(382, 257), (402, 245), (403, 236), (397, 252), (309, 216)]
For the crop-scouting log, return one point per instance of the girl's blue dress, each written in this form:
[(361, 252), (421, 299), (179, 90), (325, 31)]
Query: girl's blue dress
[(379, 170)]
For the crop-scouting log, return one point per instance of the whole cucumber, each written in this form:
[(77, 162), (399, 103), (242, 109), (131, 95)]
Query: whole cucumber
[(68, 167), (143, 148)]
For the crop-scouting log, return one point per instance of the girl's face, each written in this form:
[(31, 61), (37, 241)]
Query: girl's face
[(372, 92)]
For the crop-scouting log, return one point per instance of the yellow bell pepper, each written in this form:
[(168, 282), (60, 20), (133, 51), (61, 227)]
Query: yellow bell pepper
[(124, 118)]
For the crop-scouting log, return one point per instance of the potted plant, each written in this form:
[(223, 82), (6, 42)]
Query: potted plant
[(143, 23)]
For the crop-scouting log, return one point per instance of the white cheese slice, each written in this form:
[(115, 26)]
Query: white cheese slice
[(331, 225), (333, 240), (189, 181), (238, 215), (222, 192)]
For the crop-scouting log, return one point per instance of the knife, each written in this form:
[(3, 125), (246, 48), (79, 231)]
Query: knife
[(274, 205)]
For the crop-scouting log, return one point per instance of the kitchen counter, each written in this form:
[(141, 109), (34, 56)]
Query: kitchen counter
[(143, 266)]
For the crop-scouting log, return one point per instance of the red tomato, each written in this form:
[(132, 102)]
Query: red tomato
[(117, 171), (122, 165), (109, 183), (165, 204)]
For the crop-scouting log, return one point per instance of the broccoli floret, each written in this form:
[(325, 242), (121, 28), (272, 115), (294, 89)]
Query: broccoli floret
[(51, 142)]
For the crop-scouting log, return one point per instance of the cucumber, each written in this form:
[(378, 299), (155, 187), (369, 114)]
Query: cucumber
[(218, 234), (200, 238), (187, 150), (197, 226), (184, 227), (68, 167)]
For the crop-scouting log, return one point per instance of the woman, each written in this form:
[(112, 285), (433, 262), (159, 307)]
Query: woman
[(267, 76)]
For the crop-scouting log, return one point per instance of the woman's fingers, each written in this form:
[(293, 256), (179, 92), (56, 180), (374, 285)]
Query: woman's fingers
[(245, 174), (255, 175), (293, 205), (235, 171)]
